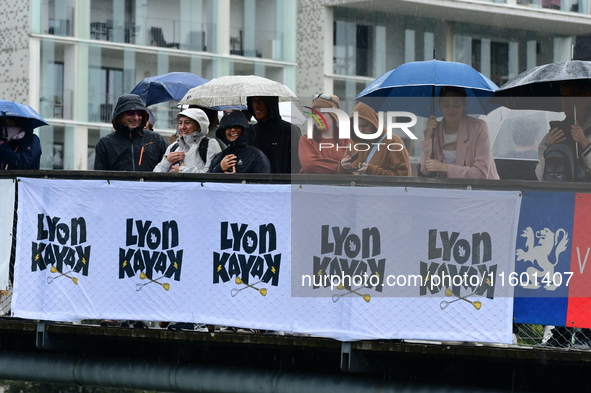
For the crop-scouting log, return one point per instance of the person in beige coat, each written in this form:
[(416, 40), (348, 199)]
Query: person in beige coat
[(377, 156), (459, 145)]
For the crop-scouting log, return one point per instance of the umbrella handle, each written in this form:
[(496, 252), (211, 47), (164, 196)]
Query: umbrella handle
[(432, 112), (433, 145)]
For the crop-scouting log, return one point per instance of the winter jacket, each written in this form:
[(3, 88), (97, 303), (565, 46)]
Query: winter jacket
[(250, 159), (190, 145), (390, 157), (129, 149), (474, 158), (22, 153), (276, 138)]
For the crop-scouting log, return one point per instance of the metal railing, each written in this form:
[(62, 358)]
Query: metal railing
[(524, 335)]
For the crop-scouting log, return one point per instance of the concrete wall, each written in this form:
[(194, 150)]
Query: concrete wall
[(14, 50), (311, 34)]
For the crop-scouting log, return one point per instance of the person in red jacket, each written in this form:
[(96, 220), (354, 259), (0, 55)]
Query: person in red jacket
[(322, 153)]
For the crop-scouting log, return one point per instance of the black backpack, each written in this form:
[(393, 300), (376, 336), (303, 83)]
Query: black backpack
[(563, 165), (203, 145)]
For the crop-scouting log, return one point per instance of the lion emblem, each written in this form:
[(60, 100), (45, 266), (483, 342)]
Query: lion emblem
[(550, 246)]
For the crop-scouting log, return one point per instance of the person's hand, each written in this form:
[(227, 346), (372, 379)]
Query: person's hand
[(346, 162), (431, 124), (578, 135), (361, 170), (556, 135), (228, 163), (176, 168), (435, 166), (175, 157)]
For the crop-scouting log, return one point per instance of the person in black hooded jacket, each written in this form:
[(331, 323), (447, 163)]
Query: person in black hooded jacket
[(130, 147), (275, 137), (239, 156), (19, 147)]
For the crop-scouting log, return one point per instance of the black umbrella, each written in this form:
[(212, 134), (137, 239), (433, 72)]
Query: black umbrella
[(539, 87)]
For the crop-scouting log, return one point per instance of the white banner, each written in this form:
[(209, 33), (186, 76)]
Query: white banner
[(408, 263), (6, 223), (222, 254)]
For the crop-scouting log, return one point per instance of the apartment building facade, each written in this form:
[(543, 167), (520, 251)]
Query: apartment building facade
[(72, 59)]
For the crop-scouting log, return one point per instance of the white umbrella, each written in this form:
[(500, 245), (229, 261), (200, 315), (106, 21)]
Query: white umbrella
[(511, 130), (233, 90), (291, 113)]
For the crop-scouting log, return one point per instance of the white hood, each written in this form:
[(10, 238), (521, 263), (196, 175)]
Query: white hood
[(201, 118)]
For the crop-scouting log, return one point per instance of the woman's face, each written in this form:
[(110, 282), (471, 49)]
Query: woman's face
[(187, 126), (233, 132), (452, 106)]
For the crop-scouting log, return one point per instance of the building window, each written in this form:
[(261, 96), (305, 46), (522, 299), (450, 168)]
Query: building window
[(499, 62), (59, 18), (353, 48), (113, 21), (111, 88), (52, 97)]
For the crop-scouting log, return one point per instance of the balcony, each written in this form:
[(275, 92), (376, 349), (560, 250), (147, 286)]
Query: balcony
[(57, 104), (106, 31)]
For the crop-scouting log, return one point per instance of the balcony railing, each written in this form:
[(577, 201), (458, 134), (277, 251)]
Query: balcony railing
[(56, 104)]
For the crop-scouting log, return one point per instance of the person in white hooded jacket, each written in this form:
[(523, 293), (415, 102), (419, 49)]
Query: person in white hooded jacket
[(185, 155)]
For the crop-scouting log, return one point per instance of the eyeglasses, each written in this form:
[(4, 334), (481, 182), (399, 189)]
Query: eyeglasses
[(324, 96), (138, 112)]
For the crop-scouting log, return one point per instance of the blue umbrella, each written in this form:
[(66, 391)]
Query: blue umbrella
[(167, 87), (22, 114), (412, 86)]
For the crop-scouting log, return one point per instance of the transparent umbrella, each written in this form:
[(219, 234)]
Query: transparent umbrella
[(516, 134)]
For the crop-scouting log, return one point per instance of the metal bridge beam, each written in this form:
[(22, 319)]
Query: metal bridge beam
[(54, 368)]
